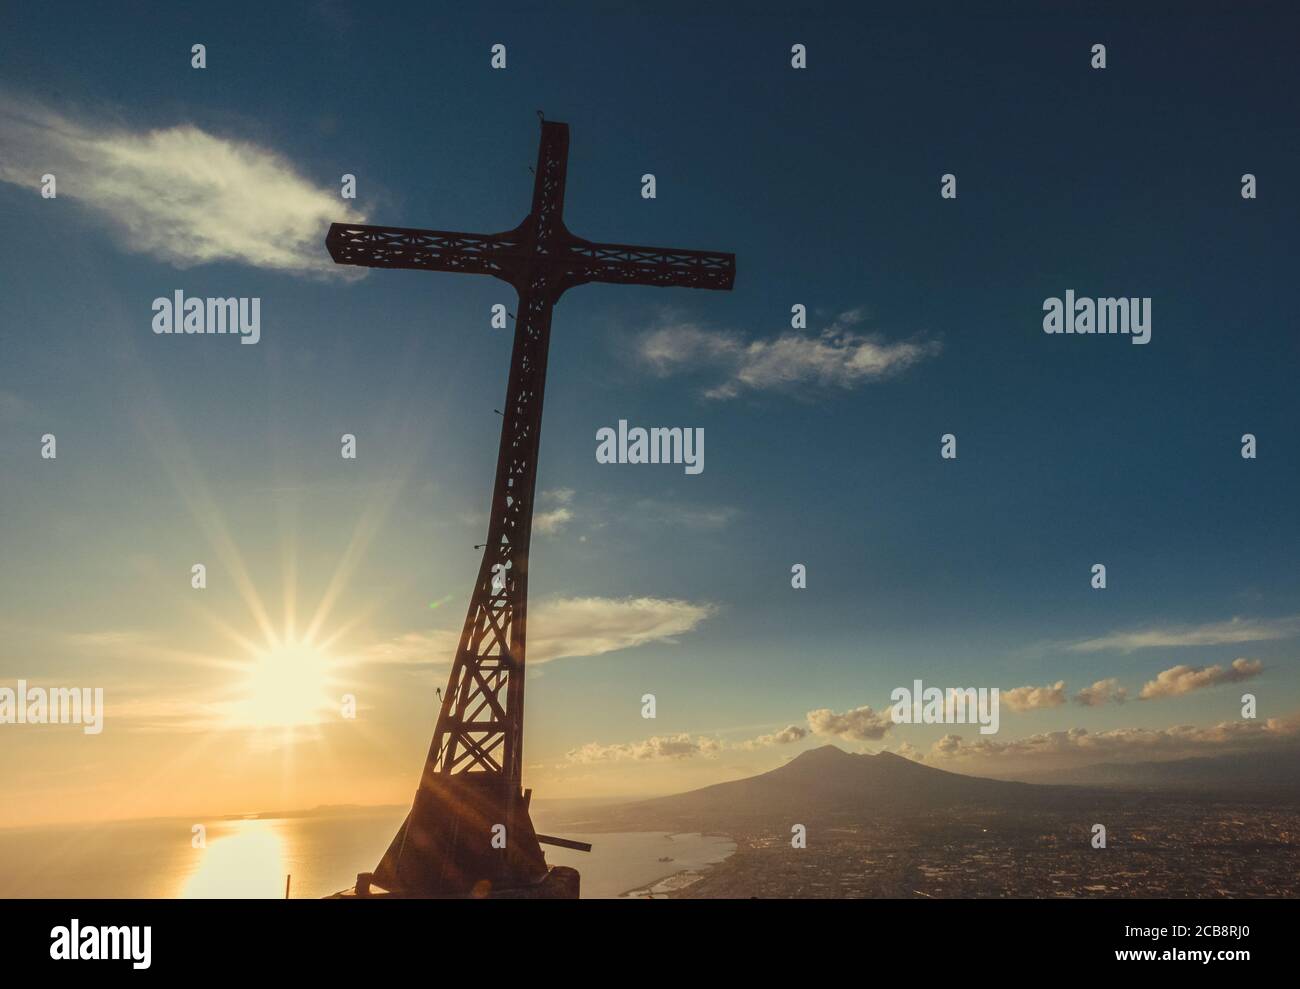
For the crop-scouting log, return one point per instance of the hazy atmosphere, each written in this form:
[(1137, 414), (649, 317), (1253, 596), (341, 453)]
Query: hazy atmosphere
[(328, 577)]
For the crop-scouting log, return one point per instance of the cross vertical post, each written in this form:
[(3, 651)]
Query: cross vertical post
[(472, 780)]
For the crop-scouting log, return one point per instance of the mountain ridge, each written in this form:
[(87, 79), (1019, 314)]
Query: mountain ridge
[(828, 783)]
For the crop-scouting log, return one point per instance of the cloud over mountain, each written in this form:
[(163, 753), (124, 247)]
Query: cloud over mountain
[(860, 724), (1078, 746), (786, 736)]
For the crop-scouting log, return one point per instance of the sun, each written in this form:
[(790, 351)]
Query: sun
[(285, 686)]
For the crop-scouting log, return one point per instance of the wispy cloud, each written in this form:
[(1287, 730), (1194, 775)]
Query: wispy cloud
[(1183, 679), (836, 357), (1231, 632), (137, 713), (676, 513), (180, 193), (560, 627), (14, 408), (551, 520)]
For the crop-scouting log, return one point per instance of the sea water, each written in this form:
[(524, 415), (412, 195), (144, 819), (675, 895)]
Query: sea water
[(322, 852)]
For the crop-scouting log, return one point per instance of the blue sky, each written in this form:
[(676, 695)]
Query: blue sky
[(825, 183)]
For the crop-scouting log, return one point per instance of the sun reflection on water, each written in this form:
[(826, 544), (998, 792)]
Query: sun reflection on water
[(246, 863)]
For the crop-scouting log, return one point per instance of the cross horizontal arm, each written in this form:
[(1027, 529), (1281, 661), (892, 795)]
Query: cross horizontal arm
[(431, 250), (624, 264)]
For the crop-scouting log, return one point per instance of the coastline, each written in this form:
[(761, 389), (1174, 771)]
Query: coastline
[(665, 886)]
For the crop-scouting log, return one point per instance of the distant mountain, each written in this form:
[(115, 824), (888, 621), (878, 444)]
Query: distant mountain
[(829, 783), (1273, 774), (320, 810)]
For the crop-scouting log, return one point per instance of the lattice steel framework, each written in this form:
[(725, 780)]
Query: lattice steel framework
[(480, 724)]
